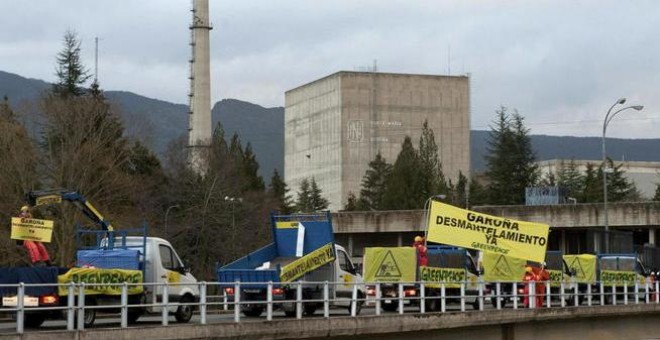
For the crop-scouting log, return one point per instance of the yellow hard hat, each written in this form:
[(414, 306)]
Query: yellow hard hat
[(419, 239), (25, 208), (528, 269)]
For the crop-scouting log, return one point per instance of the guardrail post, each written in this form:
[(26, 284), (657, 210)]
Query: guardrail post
[(401, 296), (481, 294), (20, 312), (646, 289), (354, 301), (81, 306), (532, 294), (124, 305), (377, 298), (498, 295), (326, 300), (422, 300), (562, 294), (71, 307), (269, 301), (614, 294), (225, 300), (237, 301), (165, 313), (602, 294), (588, 295), (514, 294), (636, 292), (625, 294), (657, 292), (462, 296), (202, 302), (299, 297), (443, 298), (548, 294)]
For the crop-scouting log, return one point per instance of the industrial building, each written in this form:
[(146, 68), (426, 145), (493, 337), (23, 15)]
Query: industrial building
[(336, 125), (645, 175)]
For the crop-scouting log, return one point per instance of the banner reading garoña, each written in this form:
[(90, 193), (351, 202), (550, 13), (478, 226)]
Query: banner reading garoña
[(31, 229), (468, 229)]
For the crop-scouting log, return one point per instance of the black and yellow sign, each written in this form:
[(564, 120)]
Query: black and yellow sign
[(433, 277), (503, 268), (620, 278), (31, 229), (49, 199), (307, 263), (390, 264), (584, 267), (468, 229), (286, 224), (101, 281)]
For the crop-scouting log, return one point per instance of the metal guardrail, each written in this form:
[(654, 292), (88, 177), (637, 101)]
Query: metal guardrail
[(595, 294)]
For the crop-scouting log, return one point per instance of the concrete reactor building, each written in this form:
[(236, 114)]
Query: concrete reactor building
[(336, 125)]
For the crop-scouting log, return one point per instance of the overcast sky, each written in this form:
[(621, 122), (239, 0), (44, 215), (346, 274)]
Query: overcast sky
[(561, 64)]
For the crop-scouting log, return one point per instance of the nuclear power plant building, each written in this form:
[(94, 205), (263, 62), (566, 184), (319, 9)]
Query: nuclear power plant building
[(336, 125)]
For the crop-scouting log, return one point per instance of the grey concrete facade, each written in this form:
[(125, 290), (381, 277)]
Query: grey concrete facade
[(336, 125)]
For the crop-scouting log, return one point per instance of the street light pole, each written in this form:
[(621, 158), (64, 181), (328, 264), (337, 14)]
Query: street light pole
[(607, 120), (167, 213), (233, 223)]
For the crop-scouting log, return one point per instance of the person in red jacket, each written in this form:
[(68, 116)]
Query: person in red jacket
[(422, 257), (36, 250), (542, 276)]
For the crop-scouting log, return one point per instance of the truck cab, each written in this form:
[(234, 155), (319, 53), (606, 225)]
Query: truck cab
[(163, 264)]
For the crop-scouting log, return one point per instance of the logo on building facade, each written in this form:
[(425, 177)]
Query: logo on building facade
[(355, 130)]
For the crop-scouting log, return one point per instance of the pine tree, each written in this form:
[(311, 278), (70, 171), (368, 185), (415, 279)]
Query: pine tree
[(351, 202), (434, 181), (251, 169), (569, 177), (404, 185), (280, 191), (304, 201), (593, 185), (510, 160), (656, 197), (70, 72), (618, 187), (374, 184), (317, 200), (459, 192)]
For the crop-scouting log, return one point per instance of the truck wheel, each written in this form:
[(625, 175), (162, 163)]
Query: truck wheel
[(133, 316), (90, 314), (359, 303), (290, 313), (184, 313), (34, 320), (390, 307), (432, 303), (252, 310), (309, 309), (493, 300)]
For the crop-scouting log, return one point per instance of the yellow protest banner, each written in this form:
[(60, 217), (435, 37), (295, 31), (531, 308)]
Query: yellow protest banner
[(31, 229), (618, 277), (584, 267), (307, 263), (101, 281), (468, 229), (390, 264), (503, 268), (433, 277)]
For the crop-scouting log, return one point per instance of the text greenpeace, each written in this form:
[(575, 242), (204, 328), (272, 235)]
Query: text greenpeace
[(307, 263), (465, 228), (433, 277), (619, 278), (102, 281)]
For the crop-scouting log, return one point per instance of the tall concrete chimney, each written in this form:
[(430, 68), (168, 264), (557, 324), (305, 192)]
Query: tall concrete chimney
[(199, 123)]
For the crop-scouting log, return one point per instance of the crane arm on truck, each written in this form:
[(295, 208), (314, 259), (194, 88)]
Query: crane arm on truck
[(47, 197)]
